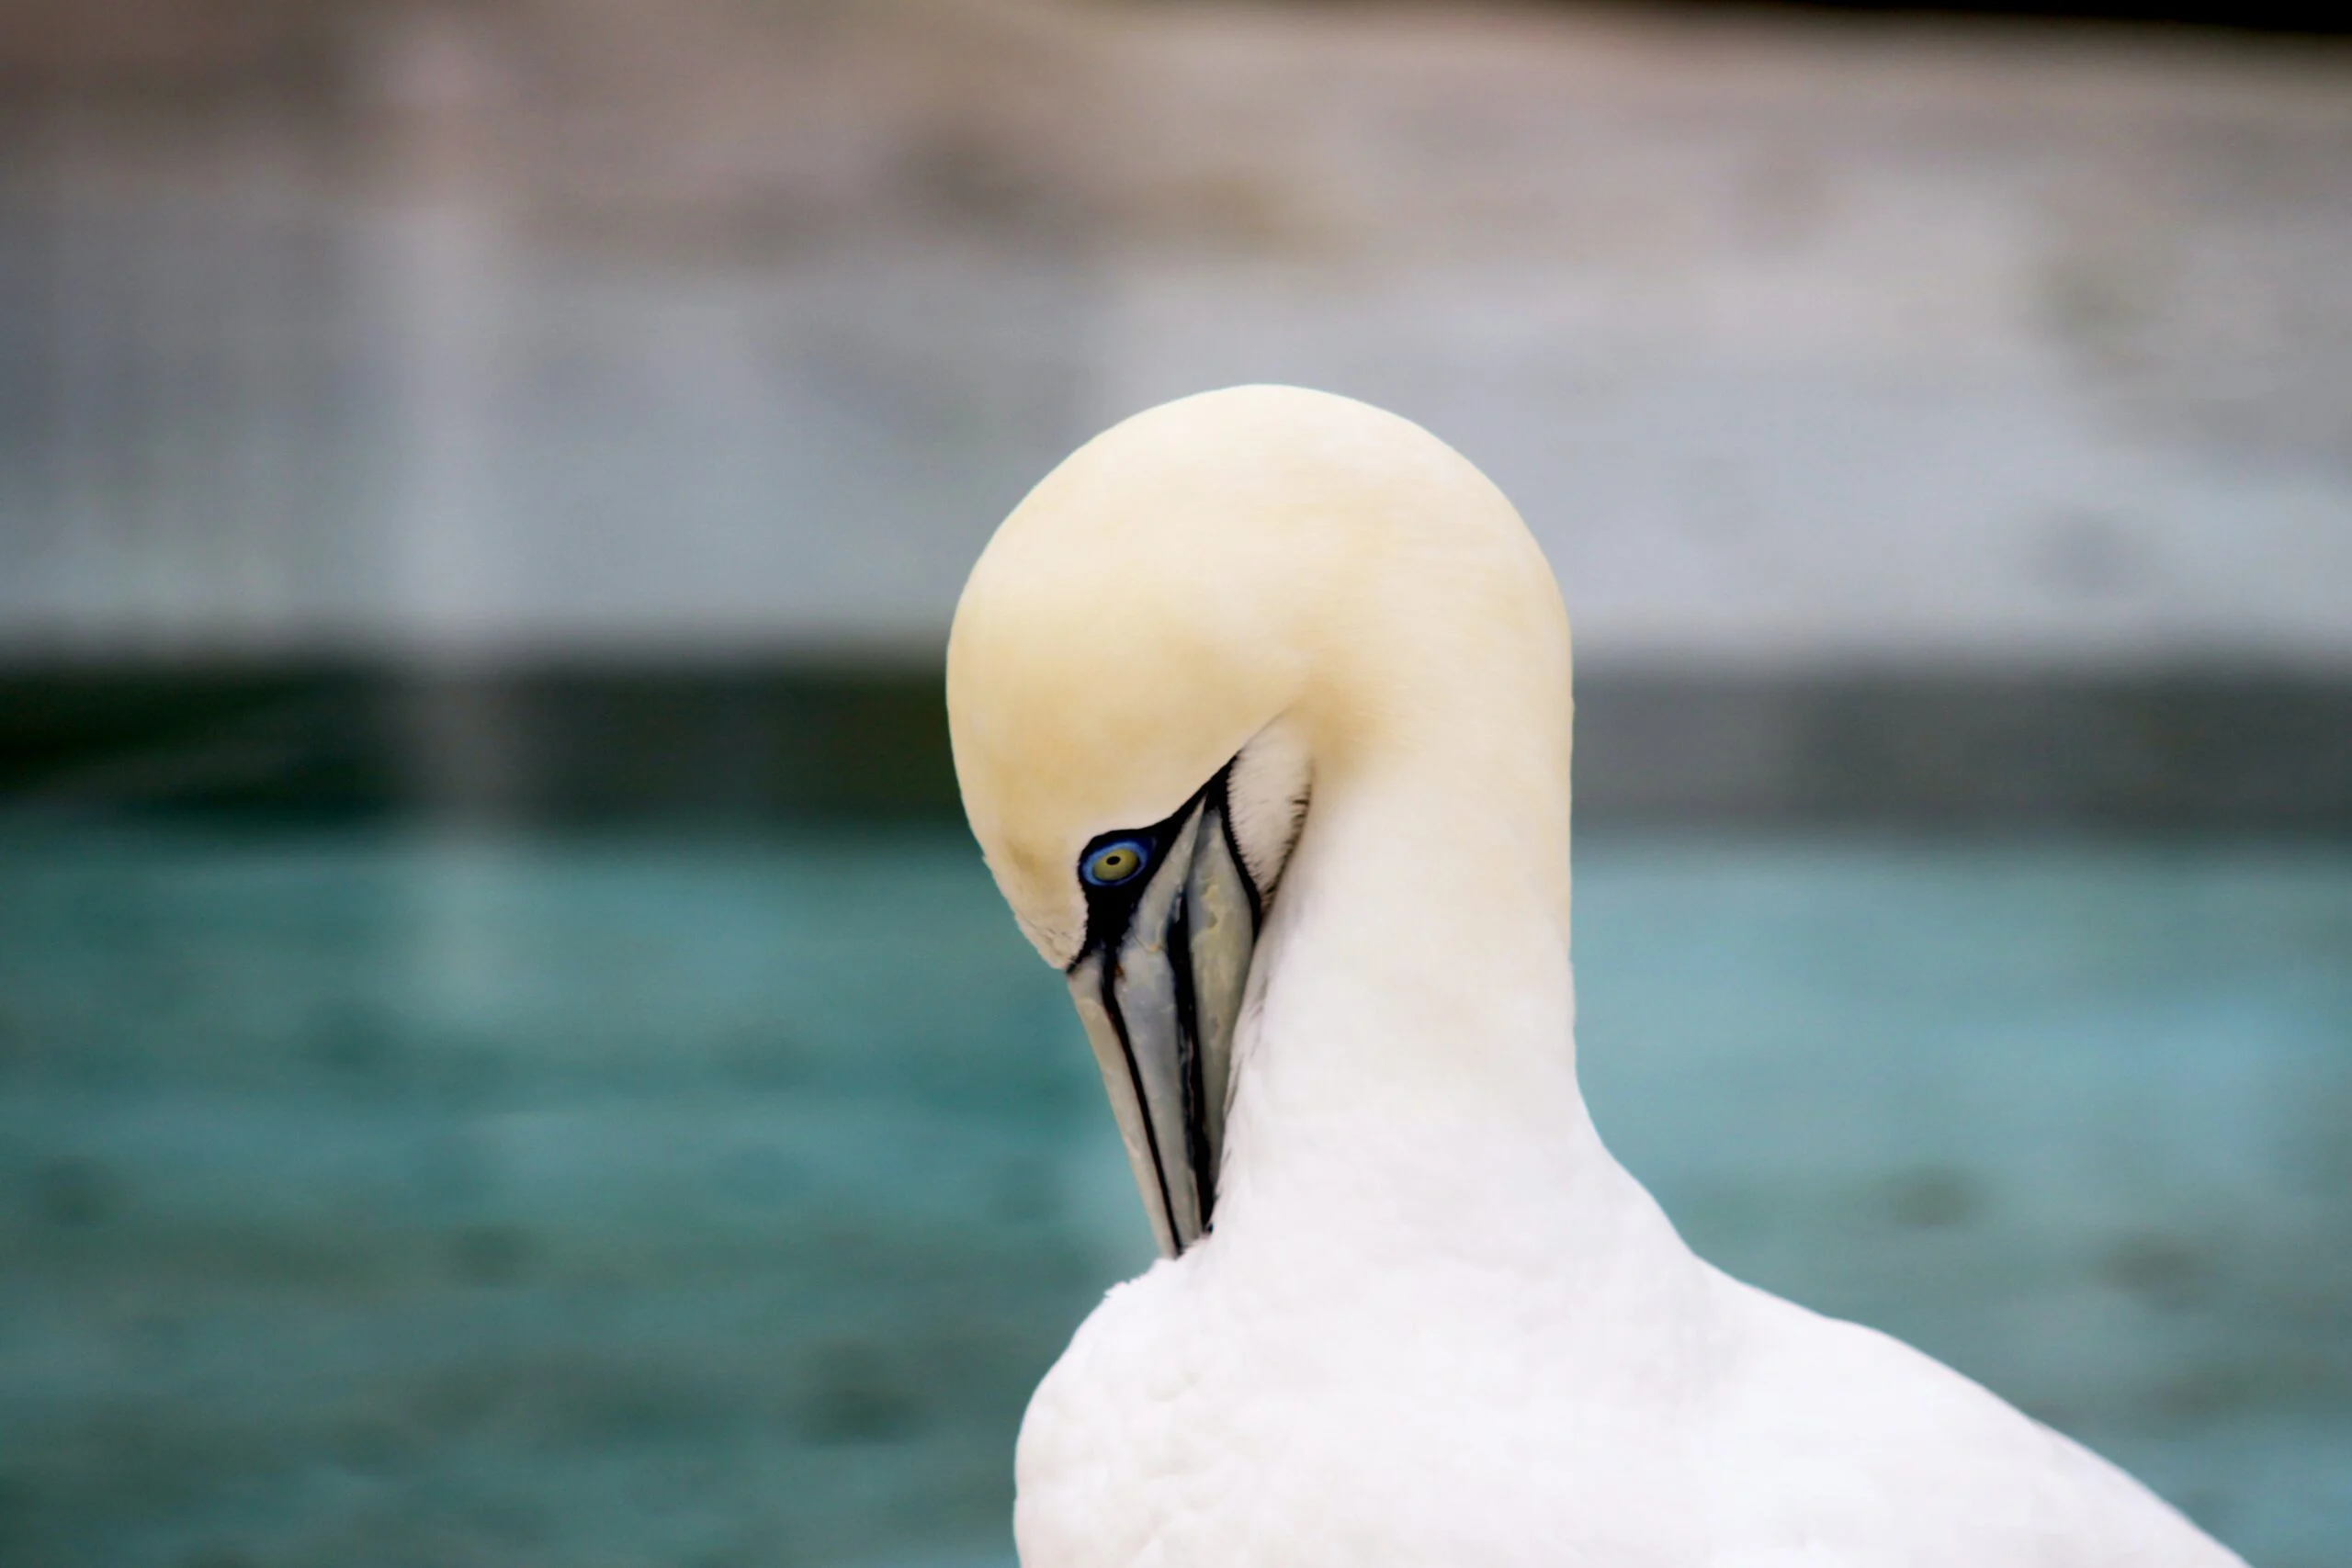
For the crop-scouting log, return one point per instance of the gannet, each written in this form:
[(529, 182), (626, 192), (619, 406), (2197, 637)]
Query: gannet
[(1259, 705)]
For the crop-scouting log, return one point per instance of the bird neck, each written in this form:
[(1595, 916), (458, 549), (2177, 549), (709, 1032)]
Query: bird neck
[(1406, 1070)]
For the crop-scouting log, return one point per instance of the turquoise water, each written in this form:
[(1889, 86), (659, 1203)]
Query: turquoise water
[(402, 1199)]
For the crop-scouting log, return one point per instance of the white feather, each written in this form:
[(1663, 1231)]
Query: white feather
[(1435, 1324)]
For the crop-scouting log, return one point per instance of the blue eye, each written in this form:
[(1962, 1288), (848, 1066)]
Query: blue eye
[(1114, 862)]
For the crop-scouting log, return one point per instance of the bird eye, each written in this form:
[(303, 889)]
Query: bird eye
[(1113, 863)]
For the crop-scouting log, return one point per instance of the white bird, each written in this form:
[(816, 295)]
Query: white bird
[(1261, 711)]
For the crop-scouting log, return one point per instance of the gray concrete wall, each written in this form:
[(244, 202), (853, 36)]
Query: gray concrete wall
[(573, 328)]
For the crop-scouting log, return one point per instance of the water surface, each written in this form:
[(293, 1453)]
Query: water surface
[(391, 1198)]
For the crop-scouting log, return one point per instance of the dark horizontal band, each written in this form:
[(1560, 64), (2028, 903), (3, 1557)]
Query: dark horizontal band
[(778, 741)]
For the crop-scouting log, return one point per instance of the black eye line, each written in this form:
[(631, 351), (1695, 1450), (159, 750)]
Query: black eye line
[(1110, 993), (1109, 906)]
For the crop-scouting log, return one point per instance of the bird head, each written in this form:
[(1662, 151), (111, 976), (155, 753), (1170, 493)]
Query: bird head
[(1186, 627)]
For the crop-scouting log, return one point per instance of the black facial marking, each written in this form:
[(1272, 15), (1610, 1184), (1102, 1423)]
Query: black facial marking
[(1110, 913), (1111, 908), (1134, 1081), (1188, 1045), (1233, 848)]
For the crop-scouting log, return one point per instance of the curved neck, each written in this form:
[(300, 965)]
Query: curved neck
[(1405, 1067)]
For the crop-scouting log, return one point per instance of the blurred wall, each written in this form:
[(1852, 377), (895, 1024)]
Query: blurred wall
[(1827, 358)]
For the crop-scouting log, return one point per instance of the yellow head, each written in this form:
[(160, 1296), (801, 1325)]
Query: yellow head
[(1191, 625)]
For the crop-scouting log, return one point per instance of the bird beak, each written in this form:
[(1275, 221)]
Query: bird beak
[(1159, 998)]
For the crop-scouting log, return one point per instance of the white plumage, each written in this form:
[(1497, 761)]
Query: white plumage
[(1433, 1322)]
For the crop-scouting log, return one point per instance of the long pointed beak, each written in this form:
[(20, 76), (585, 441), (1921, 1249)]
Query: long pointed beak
[(1160, 1000)]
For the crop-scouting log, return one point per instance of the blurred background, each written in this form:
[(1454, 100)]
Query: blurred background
[(507, 1054)]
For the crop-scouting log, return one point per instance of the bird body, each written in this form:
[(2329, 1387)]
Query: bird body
[(1661, 1414), (1412, 1311)]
